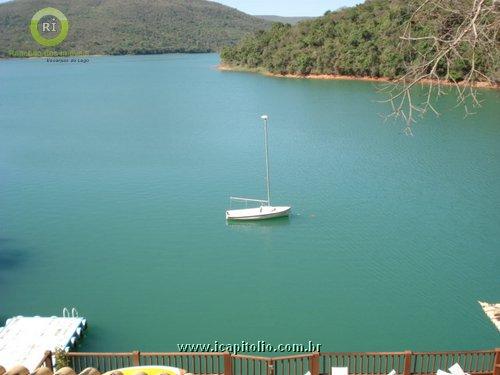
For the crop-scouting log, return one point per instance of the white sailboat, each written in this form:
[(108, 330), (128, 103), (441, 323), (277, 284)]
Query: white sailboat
[(266, 210)]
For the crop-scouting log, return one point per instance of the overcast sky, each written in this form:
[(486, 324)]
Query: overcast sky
[(284, 7)]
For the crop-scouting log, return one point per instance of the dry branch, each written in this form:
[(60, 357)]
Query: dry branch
[(461, 49)]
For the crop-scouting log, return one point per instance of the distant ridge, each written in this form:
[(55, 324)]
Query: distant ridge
[(131, 26), (290, 20)]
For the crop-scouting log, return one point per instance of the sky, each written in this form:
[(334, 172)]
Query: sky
[(288, 8), (284, 7)]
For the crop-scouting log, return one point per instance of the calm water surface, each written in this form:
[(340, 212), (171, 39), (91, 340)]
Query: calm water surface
[(114, 178)]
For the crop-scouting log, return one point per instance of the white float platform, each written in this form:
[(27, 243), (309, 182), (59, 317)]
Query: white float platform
[(24, 340), (492, 310)]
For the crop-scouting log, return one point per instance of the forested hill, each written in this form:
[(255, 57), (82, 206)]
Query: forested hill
[(364, 40), (131, 26)]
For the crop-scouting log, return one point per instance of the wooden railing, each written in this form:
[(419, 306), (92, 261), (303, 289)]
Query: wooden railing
[(103, 361), (483, 362), (247, 364), (46, 361), (366, 363), (477, 362)]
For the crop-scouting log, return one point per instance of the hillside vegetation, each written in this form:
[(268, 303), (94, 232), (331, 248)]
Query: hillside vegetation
[(131, 26), (360, 41)]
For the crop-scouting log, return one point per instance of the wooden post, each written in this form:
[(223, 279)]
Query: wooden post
[(136, 358), (496, 364), (228, 364), (270, 366), (314, 364), (407, 369), (48, 360)]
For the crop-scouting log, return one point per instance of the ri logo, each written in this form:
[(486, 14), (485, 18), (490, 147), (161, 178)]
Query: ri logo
[(49, 27)]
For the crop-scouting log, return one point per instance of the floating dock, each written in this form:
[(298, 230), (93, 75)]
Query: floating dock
[(492, 310), (24, 340)]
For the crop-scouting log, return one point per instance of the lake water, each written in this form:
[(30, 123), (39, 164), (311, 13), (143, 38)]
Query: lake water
[(115, 176)]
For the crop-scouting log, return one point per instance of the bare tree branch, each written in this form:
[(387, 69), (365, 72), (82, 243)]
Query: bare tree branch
[(458, 53)]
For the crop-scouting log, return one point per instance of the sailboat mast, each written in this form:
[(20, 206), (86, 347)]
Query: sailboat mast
[(268, 182)]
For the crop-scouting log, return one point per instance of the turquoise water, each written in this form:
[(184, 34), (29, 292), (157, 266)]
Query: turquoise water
[(115, 175)]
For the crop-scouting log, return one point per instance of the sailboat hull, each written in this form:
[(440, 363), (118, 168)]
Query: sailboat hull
[(258, 213)]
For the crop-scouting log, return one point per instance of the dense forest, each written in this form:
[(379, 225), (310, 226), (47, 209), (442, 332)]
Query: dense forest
[(362, 41), (131, 26)]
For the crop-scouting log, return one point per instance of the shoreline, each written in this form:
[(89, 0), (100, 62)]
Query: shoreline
[(338, 77)]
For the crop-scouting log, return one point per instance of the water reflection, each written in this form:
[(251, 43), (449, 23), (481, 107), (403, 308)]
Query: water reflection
[(259, 224)]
